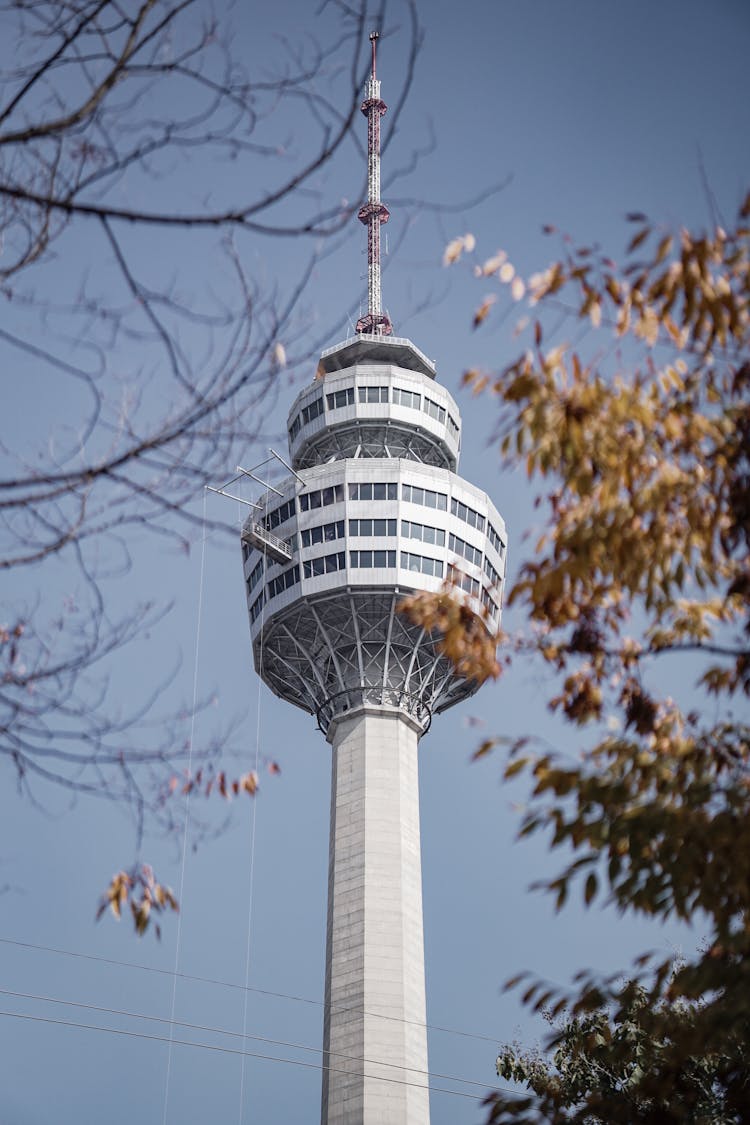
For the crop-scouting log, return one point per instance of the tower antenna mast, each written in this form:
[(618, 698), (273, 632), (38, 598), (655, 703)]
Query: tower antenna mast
[(373, 213)]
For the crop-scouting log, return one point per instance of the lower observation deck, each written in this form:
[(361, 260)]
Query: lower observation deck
[(327, 634)]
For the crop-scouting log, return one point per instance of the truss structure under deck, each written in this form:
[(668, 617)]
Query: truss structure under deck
[(333, 652), (374, 440)]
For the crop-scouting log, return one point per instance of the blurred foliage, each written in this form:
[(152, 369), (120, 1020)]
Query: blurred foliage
[(463, 637), (138, 885), (610, 1069), (637, 440), (146, 896)]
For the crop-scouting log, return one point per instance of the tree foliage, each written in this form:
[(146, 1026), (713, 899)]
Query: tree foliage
[(607, 1069), (636, 601), (147, 897)]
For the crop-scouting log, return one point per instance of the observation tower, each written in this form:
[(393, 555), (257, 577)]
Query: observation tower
[(373, 510)]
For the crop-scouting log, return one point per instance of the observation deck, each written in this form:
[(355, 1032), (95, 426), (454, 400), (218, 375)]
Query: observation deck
[(375, 397), (374, 512)]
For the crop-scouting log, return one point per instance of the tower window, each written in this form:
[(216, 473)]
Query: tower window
[(324, 564), (373, 394), (467, 514), (407, 398), (492, 574), (434, 410), (322, 533), (257, 606), (313, 410), (320, 498), (372, 527), (338, 399), (419, 564), (379, 559), (463, 581), (283, 581), (491, 604), (423, 532), (279, 515), (368, 491), (255, 575), (461, 547), (495, 540), (425, 496)]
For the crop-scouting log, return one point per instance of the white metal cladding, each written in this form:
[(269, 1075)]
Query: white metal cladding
[(375, 410), (326, 631), (364, 348)]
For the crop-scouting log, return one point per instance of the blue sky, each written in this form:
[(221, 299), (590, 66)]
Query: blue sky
[(585, 111)]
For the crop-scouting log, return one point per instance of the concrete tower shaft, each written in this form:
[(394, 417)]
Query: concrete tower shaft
[(374, 989)]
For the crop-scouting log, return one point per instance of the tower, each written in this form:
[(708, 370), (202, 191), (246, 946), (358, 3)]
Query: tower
[(373, 510)]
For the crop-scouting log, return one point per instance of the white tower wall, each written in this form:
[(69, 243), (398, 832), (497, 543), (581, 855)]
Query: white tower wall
[(375, 1040)]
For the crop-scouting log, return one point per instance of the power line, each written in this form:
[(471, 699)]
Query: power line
[(236, 986), (235, 1035), (237, 1052)]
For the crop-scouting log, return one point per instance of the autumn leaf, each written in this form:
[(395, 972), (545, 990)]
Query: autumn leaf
[(147, 897), (483, 310), (455, 248)]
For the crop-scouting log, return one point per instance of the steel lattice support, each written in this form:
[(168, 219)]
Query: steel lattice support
[(330, 654), (374, 212)]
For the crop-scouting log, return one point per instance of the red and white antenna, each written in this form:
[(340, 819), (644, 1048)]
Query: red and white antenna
[(373, 213)]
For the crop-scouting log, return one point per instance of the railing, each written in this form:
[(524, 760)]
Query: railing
[(264, 540)]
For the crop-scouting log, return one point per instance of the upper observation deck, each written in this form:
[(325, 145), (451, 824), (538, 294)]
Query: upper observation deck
[(375, 396)]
